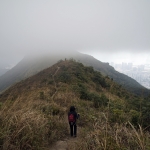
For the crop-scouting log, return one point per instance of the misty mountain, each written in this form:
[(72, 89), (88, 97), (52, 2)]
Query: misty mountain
[(31, 65), (3, 71), (3, 68)]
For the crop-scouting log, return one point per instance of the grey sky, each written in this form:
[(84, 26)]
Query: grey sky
[(97, 27)]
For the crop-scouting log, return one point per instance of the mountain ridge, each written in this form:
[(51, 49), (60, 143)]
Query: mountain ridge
[(33, 112), (32, 65)]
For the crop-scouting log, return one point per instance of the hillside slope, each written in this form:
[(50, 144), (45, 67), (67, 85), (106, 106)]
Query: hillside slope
[(32, 65), (33, 113)]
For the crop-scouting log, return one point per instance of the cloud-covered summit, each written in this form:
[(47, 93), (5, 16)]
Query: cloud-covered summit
[(85, 25)]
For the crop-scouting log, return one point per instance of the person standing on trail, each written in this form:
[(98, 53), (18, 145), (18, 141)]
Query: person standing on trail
[(72, 118)]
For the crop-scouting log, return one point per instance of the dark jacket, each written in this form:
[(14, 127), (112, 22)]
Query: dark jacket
[(72, 111)]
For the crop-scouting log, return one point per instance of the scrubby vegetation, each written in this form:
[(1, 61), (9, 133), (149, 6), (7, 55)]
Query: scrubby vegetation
[(33, 113)]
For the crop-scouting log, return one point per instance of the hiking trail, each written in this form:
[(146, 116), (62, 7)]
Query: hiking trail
[(63, 144), (55, 83), (67, 142)]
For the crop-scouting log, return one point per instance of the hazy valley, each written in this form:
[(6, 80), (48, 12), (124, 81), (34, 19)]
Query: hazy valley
[(138, 72)]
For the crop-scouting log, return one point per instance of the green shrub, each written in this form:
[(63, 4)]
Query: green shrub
[(64, 77), (89, 69), (50, 82), (98, 79), (134, 115), (117, 115), (80, 75), (42, 95), (100, 100)]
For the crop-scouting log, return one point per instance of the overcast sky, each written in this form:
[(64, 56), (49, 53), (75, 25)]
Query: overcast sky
[(110, 30)]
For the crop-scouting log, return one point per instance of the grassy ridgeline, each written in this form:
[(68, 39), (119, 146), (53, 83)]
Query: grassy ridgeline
[(33, 113)]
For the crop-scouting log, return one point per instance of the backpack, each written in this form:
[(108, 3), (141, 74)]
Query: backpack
[(71, 118)]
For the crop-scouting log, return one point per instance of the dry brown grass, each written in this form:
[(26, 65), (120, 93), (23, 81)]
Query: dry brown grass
[(116, 137), (36, 124), (26, 126)]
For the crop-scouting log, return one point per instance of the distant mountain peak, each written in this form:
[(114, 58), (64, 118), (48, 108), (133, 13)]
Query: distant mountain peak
[(32, 65)]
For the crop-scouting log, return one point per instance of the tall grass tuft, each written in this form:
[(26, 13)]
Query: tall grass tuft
[(105, 136), (23, 127)]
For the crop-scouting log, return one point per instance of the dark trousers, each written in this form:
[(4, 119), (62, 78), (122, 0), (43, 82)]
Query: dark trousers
[(73, 128)]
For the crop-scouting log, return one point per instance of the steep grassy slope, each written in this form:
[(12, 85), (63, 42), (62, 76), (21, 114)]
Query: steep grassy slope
[(122, 79), (32, 65), (33, 113)]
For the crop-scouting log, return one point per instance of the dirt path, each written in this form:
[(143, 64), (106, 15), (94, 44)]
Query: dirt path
[(63, 144), (55, 82), (68, 142)]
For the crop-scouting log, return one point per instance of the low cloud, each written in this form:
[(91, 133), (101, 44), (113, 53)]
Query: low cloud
[(109, 27)]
